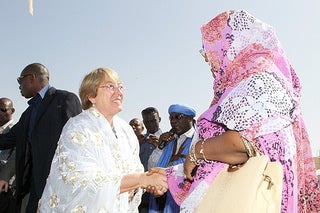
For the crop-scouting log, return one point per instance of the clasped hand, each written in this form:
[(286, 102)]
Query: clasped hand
[(160, 185)]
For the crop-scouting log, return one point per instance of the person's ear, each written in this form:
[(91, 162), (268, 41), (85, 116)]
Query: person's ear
[(13, 110), (92, 99)]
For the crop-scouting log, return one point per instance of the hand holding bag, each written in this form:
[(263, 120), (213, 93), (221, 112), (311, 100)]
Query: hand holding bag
[(256, 187)]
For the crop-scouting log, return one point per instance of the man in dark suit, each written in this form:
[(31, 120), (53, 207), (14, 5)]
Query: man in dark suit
[(7, 159), (37, 132)]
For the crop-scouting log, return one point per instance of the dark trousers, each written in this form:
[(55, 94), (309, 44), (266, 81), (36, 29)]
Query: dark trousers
[(144, 205), (32, 205), (8, 202)]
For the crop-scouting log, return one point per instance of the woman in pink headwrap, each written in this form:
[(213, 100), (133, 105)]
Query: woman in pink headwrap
[(256, 97)]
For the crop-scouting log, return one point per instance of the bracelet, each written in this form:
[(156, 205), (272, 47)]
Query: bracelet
[(193, 159), (251, 152), (202, 151), (192, 155)]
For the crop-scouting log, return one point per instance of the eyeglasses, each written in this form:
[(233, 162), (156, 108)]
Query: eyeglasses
[(19, 79), (4, 109), (202, 52), (176, 116), (112, 87)]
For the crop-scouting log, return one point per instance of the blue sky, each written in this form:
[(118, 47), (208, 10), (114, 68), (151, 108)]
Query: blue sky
[(153, 45)]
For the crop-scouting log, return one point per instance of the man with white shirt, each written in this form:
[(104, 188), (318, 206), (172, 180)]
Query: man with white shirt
[(151, 120), (176, 146), (7, 159)]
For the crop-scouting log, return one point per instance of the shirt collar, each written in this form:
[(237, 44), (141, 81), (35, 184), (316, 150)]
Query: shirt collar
[(188, 134), (3, 127), (157, 133), (43, 91)]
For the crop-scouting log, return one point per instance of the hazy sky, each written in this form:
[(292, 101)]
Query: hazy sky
[(153, 45)]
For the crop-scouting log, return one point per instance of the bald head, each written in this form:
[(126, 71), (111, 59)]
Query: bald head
[(40, 71), (6, 110), (7, 102), (32, 79)]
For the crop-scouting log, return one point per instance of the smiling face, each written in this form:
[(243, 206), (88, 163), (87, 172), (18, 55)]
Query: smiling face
[(102, 89), (109, 98)]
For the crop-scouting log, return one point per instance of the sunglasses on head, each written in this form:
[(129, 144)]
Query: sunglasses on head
[(176, 116)]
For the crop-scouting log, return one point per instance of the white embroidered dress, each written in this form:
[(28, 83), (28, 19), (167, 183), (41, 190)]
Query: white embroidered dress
[(89, 164)]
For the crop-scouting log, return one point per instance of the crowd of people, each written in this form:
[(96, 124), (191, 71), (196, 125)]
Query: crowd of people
[(71, 155)]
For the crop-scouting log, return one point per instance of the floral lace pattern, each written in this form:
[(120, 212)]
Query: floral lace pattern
[(89, 164), (256, 92), (255, 100)]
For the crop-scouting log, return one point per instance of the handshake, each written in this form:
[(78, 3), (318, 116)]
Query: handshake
[(155, 181)]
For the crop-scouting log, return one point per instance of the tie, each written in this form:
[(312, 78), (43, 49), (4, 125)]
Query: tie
[(34, 103)]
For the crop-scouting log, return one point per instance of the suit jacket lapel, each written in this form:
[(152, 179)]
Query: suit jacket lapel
[(48, 98)]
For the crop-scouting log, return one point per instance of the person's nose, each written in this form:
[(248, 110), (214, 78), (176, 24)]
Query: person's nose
[(118, 90)]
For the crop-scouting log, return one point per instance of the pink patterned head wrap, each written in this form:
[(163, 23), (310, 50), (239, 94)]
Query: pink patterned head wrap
[(238, 45)]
